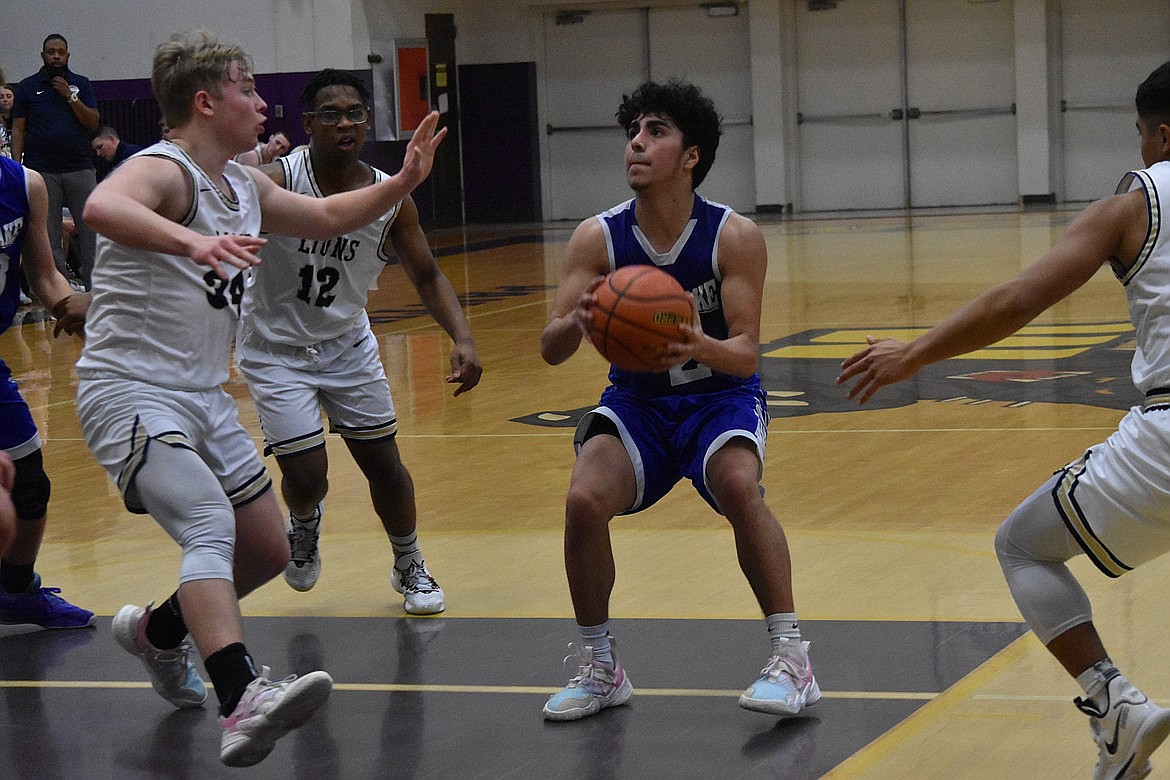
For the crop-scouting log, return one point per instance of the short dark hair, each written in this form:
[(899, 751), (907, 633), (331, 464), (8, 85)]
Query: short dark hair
[(54, 37), (328, 78), (1153, 97), (687, 107)]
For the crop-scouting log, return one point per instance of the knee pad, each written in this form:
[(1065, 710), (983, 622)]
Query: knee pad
[(31, 488)]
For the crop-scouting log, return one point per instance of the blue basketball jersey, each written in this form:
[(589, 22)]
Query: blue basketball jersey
[(694, 262), (13, 228), (18, 432)]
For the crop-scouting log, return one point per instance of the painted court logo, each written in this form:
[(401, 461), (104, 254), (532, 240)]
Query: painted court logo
[(1084, 364)]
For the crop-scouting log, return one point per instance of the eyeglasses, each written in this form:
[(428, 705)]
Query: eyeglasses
[(332, 116)]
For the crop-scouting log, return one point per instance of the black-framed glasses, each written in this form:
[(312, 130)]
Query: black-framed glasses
[(359, 115)]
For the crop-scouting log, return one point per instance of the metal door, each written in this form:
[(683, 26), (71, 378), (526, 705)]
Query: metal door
[(905, 103)]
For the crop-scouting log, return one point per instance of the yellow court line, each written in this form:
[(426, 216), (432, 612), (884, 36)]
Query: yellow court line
[(43, 684), (711, 693), (490, 689), (932, 711)]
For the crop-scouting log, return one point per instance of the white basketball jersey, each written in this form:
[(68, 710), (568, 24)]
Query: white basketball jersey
[(1147, 283), (162, 318), (305, 292)]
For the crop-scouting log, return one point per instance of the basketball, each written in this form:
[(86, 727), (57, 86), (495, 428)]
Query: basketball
[(638, 311)]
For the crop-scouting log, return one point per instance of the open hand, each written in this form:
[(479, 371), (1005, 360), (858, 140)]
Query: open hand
[(215, 251), (882, 363), (420, 152)]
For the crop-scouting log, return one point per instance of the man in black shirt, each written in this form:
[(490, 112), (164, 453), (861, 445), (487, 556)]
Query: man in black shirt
[(53, 114)]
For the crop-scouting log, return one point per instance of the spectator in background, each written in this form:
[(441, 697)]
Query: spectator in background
[(264, 153), (53, 114), (110, 150), (6, 95)]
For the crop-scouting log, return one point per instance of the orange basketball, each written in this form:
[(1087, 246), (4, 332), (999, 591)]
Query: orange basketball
[(638, 311)]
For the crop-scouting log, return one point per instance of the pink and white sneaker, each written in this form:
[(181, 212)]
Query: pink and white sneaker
[(596, 686), (786, 685), (267, 711)]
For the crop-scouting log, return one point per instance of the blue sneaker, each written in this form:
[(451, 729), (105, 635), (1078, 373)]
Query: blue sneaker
[(595, 687), (172, 674), (786, 685), (41, 607)]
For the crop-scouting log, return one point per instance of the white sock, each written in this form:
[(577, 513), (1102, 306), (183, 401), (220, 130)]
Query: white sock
[(783, 625), (597, 637), (1094, 679)]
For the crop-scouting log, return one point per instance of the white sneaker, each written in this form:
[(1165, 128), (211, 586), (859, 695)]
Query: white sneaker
[(786, 685), (172, 674), (267, 711), (1127, 730), (303, 538), (421, 594)]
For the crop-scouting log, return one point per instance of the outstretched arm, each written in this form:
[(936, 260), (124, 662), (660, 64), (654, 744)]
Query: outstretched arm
[(139, 205), (437, 294), (1112, 229)]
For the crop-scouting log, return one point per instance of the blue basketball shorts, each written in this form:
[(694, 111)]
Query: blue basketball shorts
[(672, 437), (18, 432)]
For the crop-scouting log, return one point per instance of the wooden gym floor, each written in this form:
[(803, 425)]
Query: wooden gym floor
[(890, 511)]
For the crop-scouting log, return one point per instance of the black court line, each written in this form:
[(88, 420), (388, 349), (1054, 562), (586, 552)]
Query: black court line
[(461, 698)]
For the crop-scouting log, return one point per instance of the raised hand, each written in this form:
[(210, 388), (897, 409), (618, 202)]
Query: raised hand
[(420, 152)]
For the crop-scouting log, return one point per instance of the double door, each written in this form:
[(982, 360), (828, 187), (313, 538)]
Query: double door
[(905, 103)]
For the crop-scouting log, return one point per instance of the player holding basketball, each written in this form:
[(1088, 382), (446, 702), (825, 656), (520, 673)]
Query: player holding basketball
[(179, 223), (1113, 503), (701, 416), (305, 342)]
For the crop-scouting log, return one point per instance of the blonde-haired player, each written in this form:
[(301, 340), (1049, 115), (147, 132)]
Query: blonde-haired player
[(179, 225)]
